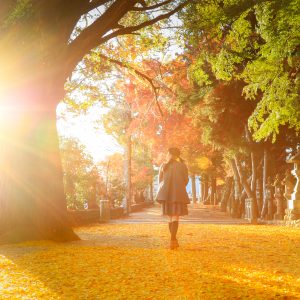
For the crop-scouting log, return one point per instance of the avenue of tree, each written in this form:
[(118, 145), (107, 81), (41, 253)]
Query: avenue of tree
[(229, 100)]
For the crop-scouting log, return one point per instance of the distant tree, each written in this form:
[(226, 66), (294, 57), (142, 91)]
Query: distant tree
[(112, 170), (81, 178)]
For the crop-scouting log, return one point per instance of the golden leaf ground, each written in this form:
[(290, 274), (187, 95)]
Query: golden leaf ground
[(129, 261)]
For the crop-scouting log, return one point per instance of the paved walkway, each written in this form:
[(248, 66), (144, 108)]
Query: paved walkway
[(198, 214)]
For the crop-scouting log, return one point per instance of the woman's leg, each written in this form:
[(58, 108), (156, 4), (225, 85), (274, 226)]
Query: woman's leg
[(174, 227), (170, 224), (175, 223)]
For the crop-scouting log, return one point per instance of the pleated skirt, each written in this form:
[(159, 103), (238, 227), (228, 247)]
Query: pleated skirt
[(172, 209)]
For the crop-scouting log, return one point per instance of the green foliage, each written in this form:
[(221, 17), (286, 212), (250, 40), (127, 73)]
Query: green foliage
[(275, 71), (198, 74), (259, 45), (81, 178), (21, 9), (142, 168), (112, 170), (117, 120)]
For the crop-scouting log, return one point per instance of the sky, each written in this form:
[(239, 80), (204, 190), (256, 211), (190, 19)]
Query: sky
[(89, 131)]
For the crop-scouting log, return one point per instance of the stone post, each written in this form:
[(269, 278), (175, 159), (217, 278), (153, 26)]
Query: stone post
[(292, 212), (289, 183), (104, 211)]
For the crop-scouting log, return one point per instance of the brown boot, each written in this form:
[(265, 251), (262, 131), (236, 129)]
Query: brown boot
[(174, 244)]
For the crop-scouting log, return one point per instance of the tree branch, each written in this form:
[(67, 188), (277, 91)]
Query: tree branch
[(131, 29), (137, 72), (89, 37), (146, 8), (94, 35), (94, 4)]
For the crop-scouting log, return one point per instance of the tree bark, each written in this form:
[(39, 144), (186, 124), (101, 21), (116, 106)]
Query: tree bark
[(253, 184), (151, 192), (194, 196), (237, 190), (205, 187), (264, 210), (226, 194), (241, 208), (33, 204), (128, 174), (202, 189), (248, 190), (213, 190)]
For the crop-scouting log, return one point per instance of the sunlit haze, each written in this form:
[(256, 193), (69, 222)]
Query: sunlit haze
[(89, 131)]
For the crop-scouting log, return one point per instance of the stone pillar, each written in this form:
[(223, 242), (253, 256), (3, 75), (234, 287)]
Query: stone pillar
[(293, 204), (104, 211)]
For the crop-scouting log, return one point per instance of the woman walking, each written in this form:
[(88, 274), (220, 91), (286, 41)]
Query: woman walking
[(173, 178)]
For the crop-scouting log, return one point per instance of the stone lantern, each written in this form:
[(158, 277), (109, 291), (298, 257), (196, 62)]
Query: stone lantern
[(293, 204)]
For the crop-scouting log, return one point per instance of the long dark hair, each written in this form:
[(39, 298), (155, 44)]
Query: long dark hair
[(175, 152)]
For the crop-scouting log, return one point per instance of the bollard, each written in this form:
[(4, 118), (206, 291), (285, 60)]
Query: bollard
[(104, 211)]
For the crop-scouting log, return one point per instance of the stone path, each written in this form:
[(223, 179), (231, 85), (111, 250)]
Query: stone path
[(198, 214)]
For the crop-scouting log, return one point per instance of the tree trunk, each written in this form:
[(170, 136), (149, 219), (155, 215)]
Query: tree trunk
[(241, 208), (226, 194), (205, 188), (128, 174), (107, 180), (259, 187), (202, 189), (253, 183), (213, 190), (237, 190), (264, 210), (194, 196), (151, 192), (248, 190), (33, 204), (92, 199), (70, 190)]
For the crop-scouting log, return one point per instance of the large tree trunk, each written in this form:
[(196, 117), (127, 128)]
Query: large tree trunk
[(33, 204)]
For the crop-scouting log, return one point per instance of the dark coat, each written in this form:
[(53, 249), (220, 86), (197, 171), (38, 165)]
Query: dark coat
[(172, 183)]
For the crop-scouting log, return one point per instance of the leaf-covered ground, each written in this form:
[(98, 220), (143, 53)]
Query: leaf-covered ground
[(129, 261)]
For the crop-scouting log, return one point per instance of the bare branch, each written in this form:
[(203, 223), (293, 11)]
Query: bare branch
[(94, 4), (145, 8), (131, 29)]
